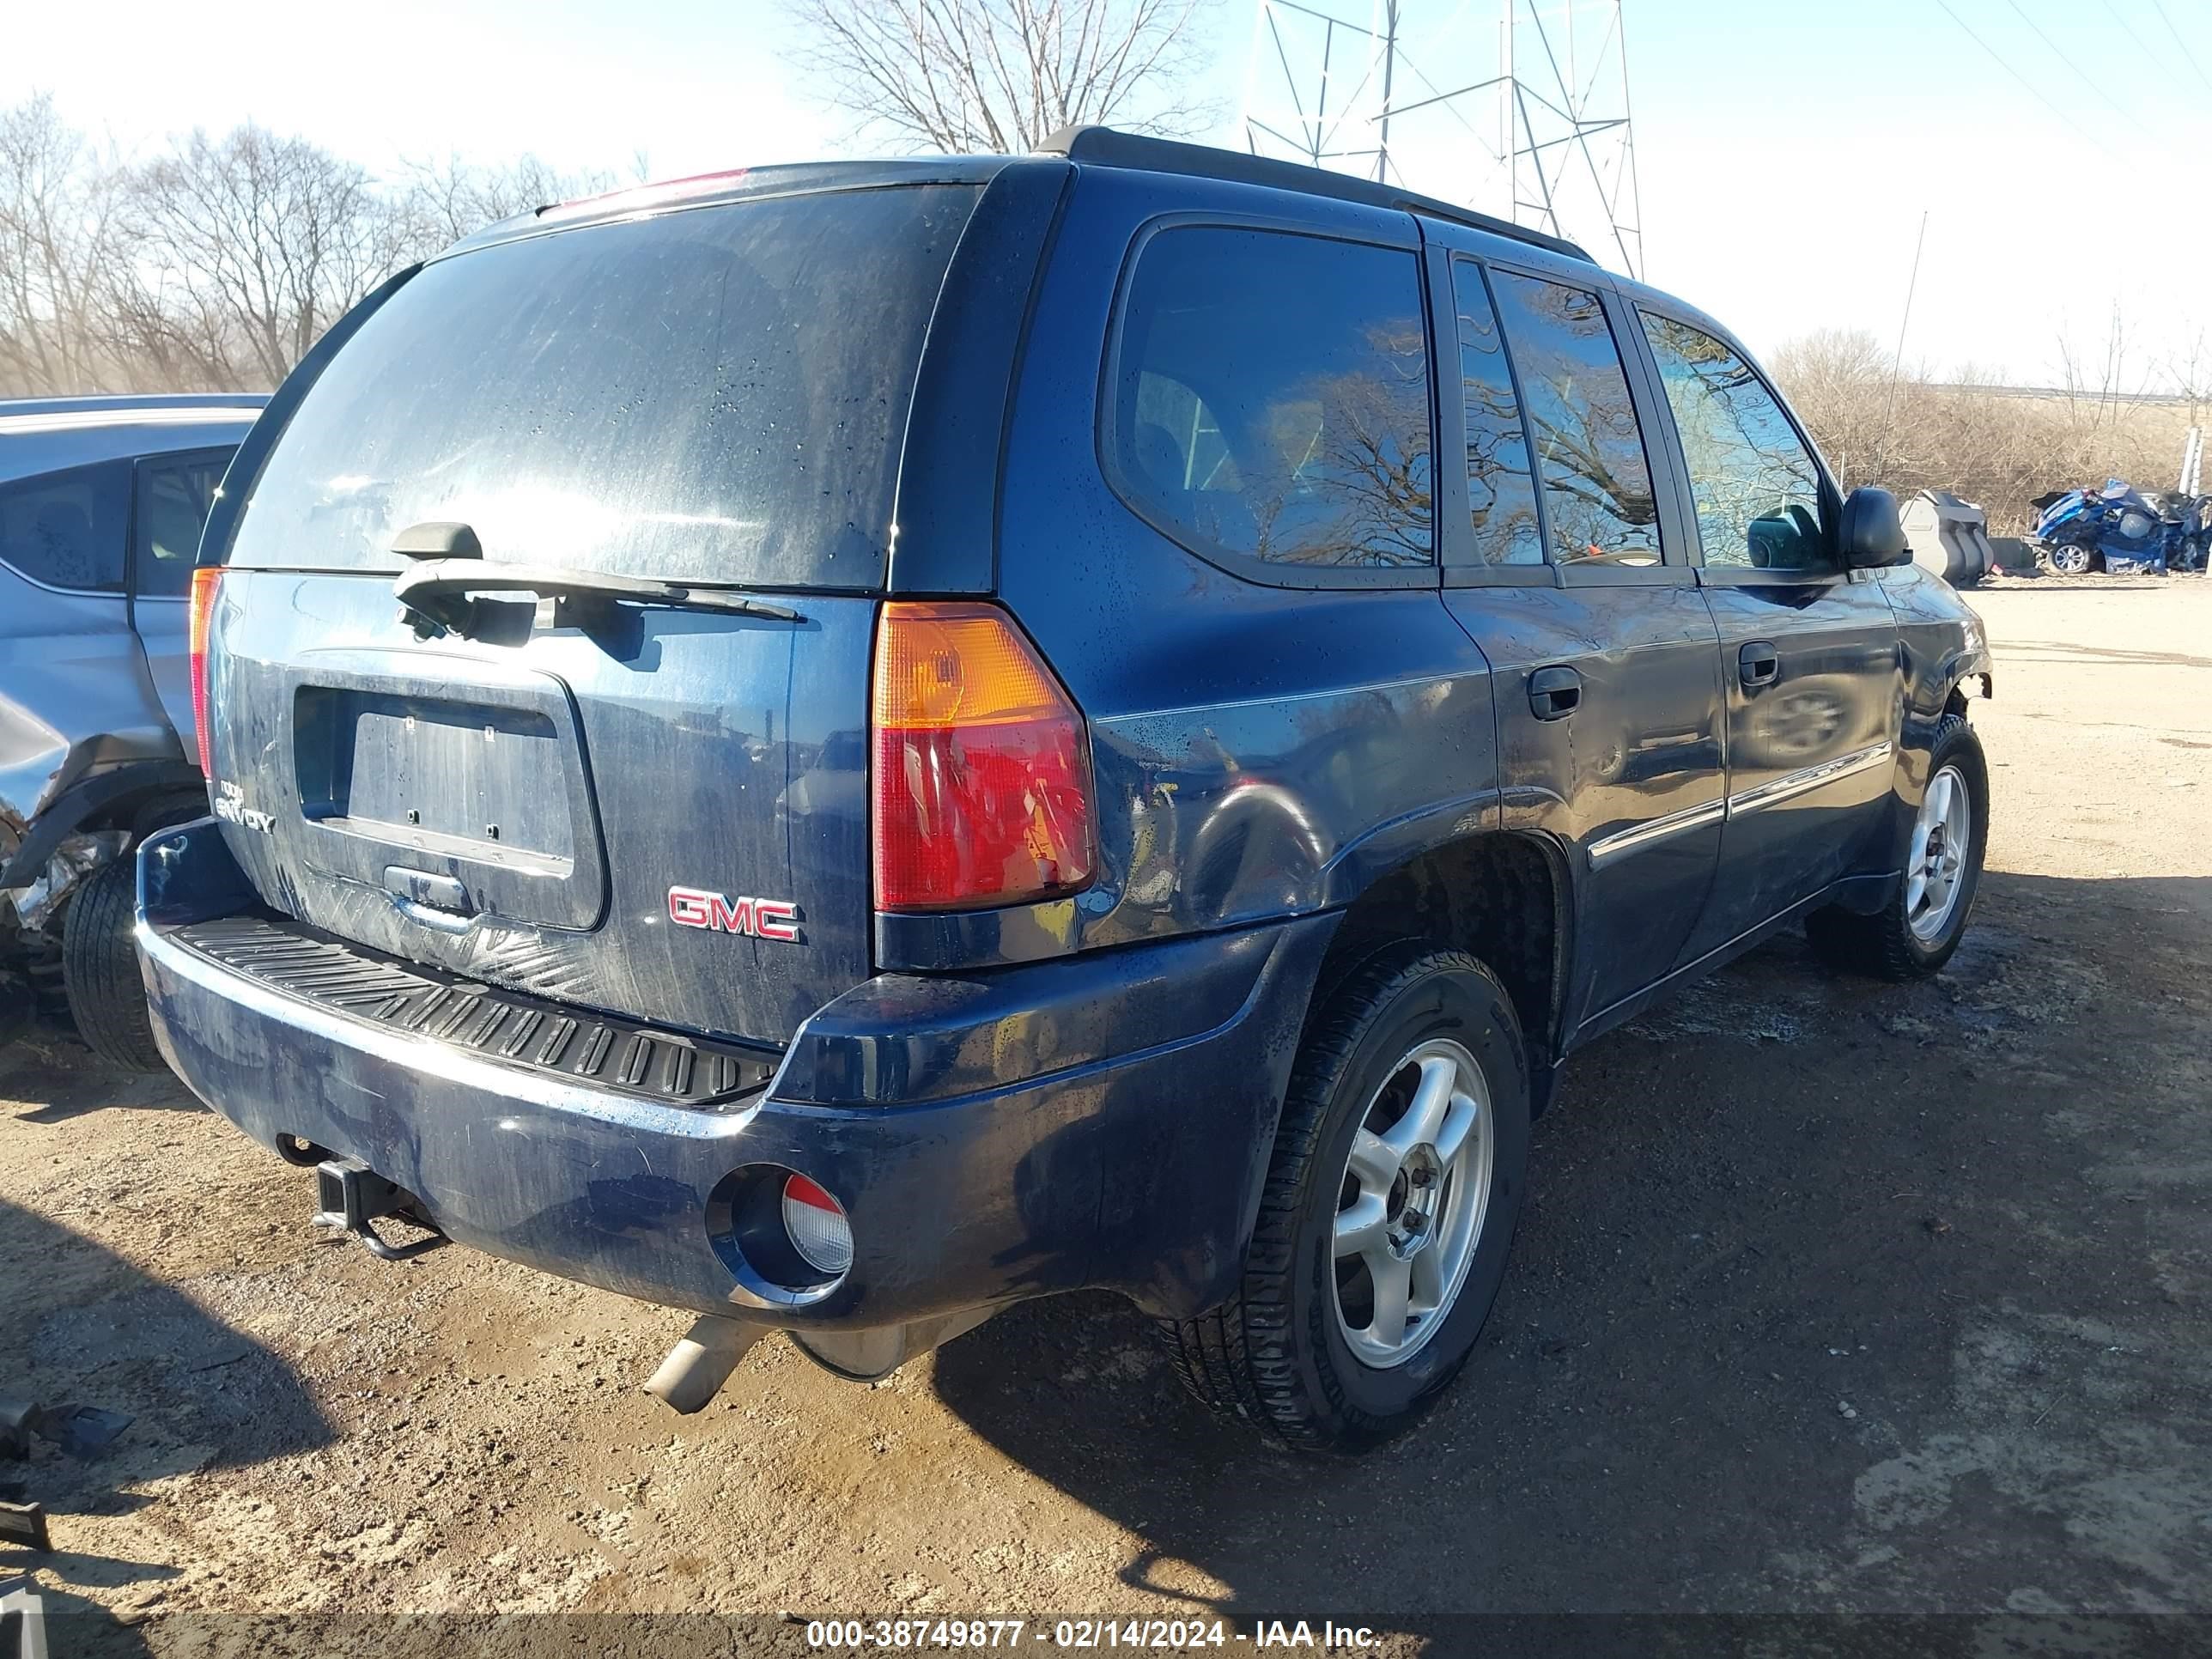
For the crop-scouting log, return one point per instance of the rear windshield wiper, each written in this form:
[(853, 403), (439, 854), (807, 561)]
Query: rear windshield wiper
[(437, 591)]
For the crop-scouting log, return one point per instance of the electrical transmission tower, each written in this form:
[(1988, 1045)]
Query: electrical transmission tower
[(1521, 110)]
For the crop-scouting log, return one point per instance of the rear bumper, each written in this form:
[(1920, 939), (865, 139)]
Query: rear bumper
[(1102, 1120)]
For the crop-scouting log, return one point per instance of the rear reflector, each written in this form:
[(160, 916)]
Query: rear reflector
[(818, 1229), (205, 580), (982, 781)]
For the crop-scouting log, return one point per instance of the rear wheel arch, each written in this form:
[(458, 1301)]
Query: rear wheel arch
[(122, 797), (1504, 897)]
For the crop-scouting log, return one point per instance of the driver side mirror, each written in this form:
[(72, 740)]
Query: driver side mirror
[(1872, 535)]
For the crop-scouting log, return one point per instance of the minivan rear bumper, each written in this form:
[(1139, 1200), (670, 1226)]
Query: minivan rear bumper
[(1102, 1120)]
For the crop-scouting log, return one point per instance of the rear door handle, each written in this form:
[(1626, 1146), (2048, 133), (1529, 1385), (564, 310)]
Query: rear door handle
[(1758, 664), (435, 900), (1555, 693)]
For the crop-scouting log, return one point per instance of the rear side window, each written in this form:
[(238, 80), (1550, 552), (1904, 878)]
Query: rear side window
[(1756, 490), (174, 493), (1499, 488), (66, 529), (1590, 449), (1271, 399), (712, 394)]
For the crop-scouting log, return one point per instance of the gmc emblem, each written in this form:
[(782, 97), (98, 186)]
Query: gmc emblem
[(756, 918)]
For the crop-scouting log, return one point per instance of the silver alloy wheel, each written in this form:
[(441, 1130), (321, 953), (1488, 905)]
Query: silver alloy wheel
[(1412, 1201), (2070, 559), (1940, 837)]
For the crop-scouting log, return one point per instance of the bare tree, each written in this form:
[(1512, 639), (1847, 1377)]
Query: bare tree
[(2002, 446), (964, 75), (2189, 370), (213, 265), (441, 202), (2093, 383), (246, 248), (1836, 379), (59, 248)]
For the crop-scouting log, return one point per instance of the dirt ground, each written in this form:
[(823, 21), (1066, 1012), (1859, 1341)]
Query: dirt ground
[(1832, 1296)]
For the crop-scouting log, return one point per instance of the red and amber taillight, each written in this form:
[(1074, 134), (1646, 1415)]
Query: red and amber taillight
[(981, 780), (205, 580)]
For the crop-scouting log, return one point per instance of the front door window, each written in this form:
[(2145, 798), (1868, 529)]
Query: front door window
[(1756, 487)]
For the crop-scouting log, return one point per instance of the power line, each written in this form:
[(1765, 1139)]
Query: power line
[(2159, 7), (2130, 30), (2141, 46), (2126, 114), (2033, 91), (1911, 284)]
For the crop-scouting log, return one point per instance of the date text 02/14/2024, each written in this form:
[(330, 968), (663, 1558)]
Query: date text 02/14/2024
[(1169, 1634)]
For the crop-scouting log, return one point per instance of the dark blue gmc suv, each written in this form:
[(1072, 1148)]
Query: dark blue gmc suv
[(838, 746)]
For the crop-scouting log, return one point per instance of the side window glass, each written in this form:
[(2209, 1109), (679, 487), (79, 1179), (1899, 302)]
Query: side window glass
[(1499, 486), (174, 493), (65, 529), (1272, 398), (1756, 490), (1590, 449)]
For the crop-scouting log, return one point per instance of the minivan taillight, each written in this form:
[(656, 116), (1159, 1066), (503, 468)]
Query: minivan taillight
[(981, 781), (205, 581)]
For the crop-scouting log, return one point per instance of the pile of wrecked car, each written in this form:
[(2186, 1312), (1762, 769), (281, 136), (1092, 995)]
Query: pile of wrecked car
[(2121, 530)]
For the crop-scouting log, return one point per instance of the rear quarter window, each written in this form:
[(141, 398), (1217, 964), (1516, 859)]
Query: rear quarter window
[(66, 529), (711, 394), (1270, 399), (175, 495)]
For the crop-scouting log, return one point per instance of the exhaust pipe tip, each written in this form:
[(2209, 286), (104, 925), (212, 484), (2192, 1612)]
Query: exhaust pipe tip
[(698, 1365)]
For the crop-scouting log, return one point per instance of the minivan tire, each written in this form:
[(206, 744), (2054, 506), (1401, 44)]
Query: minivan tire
[(1277, 1355), (1884, 944), (99, 968)]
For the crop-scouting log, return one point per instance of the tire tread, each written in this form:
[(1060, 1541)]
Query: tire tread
[(1237, 1359), (99, 968)]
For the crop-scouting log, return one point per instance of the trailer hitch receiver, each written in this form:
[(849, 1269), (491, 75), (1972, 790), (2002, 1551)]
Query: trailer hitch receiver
[(351, 1198)]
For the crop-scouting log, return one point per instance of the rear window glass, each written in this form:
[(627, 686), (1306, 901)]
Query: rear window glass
[(1272, 398), (718, 394), (65, 529)]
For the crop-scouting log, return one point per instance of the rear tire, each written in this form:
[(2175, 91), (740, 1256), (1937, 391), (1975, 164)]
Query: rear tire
[(99, 968), (1909, 937), (1420, 1046)]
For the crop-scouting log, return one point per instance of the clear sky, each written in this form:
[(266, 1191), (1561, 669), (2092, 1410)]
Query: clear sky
[(1786, 148)]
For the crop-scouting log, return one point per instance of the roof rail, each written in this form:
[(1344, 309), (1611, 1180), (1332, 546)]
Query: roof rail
[(1108, 148)]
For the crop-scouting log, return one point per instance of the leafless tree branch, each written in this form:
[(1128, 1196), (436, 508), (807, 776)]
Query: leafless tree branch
[(1001, 76), (215, 263)]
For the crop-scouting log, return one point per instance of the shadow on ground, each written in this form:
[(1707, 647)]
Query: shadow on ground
[(66, 1081), (80, 1324), (1830, 1296)]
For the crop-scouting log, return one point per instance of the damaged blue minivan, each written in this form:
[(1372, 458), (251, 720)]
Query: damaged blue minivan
[(839, 746)]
